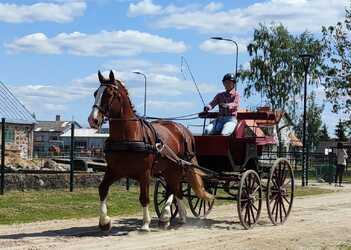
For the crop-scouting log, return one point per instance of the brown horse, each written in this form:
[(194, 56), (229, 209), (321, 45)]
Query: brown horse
[(139, 150)]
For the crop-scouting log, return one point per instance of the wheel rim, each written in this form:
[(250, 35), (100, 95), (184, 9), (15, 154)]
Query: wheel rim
[(199, 207), (280, 192), (249, 199), (161, 193)]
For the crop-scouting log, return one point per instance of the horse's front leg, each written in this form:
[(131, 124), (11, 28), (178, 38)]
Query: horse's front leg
[(105, 221), (144, 200), (165, 216)]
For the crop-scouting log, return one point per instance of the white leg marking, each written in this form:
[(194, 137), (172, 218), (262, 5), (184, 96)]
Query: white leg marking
[(181, 209), (146, 219), (104, 219), (166, 212)]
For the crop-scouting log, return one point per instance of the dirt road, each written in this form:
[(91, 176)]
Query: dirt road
[(316, 222)]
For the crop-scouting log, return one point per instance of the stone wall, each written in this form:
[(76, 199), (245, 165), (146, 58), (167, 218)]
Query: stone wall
[(22, 182), (23, 140)]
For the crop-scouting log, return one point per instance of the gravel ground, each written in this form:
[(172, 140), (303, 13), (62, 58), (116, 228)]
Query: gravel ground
[(316, 222)]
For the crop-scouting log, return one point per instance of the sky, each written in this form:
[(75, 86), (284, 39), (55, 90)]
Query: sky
[(52, 50)]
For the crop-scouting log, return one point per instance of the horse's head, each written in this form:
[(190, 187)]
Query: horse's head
[(107, 98)]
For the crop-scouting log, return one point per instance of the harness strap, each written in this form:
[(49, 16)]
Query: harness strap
[(131, 146)]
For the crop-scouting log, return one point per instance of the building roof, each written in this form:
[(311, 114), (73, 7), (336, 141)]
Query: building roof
[(54, 126), (85, 132), (12, 109)]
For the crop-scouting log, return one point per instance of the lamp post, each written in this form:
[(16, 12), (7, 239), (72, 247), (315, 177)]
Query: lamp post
[(237, 50), (306, 59), (139, 73)]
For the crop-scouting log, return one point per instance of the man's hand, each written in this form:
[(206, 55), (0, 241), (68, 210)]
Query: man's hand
[(206, 108), (224, 105)]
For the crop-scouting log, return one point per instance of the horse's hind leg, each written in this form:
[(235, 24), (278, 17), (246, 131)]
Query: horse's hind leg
[(105, 221), (144, 201)]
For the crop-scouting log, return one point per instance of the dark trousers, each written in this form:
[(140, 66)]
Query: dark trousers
[(339, 173)]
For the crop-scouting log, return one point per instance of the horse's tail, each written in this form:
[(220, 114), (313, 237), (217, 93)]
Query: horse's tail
[(194, 178), (194, 175)]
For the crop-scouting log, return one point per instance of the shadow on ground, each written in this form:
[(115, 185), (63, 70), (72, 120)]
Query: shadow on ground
[(125, 226)]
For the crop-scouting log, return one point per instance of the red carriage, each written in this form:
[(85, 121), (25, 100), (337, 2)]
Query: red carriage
[(230, 165), (237, 165)]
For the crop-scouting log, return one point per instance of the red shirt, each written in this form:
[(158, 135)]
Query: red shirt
[(232, 99)]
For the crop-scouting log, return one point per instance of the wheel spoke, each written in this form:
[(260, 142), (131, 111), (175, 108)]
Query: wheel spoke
[(280, 212), (273, 198), (200, 207), (283, 206), (162, 201), (197, 202), (286, 184), (276, 211), (255, 191), (253, 205), (286, 200), (204, 208), (248, 211), (253, 215)]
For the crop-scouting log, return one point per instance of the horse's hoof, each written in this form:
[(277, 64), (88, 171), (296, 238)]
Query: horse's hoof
[(106, 228), (182, 221), (164, 224), (145, 228)]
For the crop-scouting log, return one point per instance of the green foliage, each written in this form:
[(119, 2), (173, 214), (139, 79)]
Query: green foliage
[(337, 66), (276, 71), (340, 131), (324, 133), (314, 123)]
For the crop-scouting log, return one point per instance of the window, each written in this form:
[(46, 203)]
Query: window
[(9, 135)]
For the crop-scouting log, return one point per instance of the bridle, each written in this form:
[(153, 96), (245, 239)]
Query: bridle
[(106, 112)]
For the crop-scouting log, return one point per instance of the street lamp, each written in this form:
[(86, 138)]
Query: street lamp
[(306, 60), (139, 73), (237, 48)]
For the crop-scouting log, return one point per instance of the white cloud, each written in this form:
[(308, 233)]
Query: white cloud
[(104, 43), (212, 6), (296, 15), (51, 97), (162, 79), (51, 12), (167, 106), (224, 47), (145, 7)]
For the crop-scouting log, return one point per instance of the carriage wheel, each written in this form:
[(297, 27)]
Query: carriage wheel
[(280, 191), (161, 193), (249, 199), (199, 207)]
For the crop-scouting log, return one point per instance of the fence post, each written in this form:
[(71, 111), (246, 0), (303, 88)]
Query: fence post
[(72, 159), (330, 168), (2, 156), (127, 184)]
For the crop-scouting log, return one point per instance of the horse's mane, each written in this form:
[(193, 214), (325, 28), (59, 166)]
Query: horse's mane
[(121, 84)]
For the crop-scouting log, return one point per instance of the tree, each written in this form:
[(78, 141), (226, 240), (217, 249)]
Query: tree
[(324, 133), (340, 131), (314, 123), (336, 40), (276, 71)]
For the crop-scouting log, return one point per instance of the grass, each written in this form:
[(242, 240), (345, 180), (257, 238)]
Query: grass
[(31, 206)]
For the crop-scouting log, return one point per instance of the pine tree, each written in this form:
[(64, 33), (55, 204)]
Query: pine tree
[(324, 136)]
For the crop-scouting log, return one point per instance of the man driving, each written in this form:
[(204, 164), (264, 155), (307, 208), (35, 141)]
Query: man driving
[(228, 102)]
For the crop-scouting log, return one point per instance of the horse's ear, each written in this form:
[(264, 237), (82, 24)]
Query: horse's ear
[(101, 77), (112, 77)]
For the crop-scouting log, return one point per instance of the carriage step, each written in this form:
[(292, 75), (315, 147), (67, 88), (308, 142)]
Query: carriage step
[(227, 174)]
